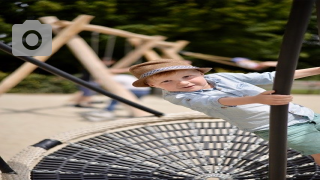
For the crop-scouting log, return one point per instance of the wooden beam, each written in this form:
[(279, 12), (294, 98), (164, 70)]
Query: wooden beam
[(134, 55), (172, 52), (101, 74), (97, 69), (115, 32), (148, 54), (106, 30), (23, 71)]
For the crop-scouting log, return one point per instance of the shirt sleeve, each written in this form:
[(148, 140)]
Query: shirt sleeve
[(193, 100), (252, 78)]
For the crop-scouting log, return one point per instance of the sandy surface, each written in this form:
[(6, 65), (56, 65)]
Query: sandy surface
[(29, 118)]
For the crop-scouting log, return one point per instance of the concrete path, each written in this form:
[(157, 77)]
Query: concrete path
[(26, 119)]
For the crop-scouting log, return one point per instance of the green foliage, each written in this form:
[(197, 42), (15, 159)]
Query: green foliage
[(37, 83), (300, 91), (49, 6), (230, 28)]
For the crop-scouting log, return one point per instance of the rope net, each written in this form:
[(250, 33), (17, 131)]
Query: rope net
[(165, 148)]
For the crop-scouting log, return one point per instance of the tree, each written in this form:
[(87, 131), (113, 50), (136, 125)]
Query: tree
[(247, 28)]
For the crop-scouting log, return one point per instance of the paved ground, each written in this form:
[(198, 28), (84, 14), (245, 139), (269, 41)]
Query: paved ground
[(29, 118)]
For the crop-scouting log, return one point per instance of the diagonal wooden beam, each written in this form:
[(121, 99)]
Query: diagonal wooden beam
[(23, 71), (134, 55), (170, 49), (115, 32), (149, 54), (89, 59), (172, 52)]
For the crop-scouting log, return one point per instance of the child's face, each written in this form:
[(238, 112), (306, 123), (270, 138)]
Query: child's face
[(182, 80)]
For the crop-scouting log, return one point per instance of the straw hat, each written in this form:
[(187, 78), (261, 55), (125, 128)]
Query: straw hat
[(144, 70)]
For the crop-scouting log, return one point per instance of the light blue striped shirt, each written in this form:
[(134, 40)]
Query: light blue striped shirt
[(249, 117)]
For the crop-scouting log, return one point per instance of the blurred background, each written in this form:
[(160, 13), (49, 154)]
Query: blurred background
[(228, 28)]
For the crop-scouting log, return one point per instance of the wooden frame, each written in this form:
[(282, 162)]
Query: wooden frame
[(66, 33)]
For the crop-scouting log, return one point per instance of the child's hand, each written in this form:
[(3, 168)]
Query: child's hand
[(267, 97)]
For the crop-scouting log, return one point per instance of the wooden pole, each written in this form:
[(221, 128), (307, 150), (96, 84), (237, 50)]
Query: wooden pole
[(148, 54), (76, 80), (97, 69), (100, 73), (23, 71), (217, 59), (115, 32), (169, 49), (107, 30), (172, 52), (134, 55)]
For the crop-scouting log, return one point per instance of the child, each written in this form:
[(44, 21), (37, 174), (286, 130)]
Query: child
[(234, 98), (107, 113)]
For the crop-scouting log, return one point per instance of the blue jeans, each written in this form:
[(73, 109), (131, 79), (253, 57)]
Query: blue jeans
[(139, 94), (88, 92)]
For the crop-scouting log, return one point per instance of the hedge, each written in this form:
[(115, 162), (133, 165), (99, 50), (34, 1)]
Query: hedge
[(38, 83)]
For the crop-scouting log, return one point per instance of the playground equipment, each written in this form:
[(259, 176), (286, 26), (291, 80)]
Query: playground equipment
[(90, 60), (178, 146), (228, 61), (188, 146)]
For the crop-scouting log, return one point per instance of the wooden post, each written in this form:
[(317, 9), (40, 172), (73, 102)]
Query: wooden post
[(14, 78), (107, 30), (120, 33), (172, 52), (134, 55), (148, 54), (100, 73), (97, 69), (169, 49)]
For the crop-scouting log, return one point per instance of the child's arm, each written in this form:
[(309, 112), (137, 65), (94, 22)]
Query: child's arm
[(263, 98), (266, 97), (300, 73)]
